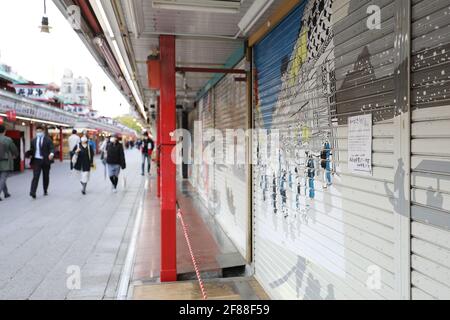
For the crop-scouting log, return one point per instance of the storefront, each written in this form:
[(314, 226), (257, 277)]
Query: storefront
[(17, 132), (57, 135), (98, 131), (355, 204), (21, 116)]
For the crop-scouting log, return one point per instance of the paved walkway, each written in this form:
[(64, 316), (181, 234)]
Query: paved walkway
[(50, 245), (239, 288)]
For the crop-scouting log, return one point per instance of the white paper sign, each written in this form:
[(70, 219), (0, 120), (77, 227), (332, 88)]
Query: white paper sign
[(360, 144)]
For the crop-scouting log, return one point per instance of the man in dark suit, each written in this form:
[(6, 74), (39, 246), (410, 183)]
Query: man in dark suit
[(42, 154)]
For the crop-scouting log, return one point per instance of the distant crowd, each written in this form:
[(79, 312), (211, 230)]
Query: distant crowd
[(82, 154)]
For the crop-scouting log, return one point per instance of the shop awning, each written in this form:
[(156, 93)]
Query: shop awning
[(95, 125), (27, 109)]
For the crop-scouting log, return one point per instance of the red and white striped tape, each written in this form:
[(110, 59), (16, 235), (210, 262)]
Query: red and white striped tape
[(194, 261)]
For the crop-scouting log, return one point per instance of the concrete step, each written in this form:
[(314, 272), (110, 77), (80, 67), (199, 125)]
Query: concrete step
[(237, 288), (229, 272)]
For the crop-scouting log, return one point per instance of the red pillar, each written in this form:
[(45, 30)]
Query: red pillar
[(168, 175), (31, 131), (158, 139), (61, 141)]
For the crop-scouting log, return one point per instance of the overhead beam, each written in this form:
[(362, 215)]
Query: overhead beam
[(280, 12), (210, 70), (200, 64), (191, 64), (191, 36), (86, 11)]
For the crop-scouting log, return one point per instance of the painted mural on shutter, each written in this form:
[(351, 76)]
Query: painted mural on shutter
[(230, 178), (430, 148), (322, 232)]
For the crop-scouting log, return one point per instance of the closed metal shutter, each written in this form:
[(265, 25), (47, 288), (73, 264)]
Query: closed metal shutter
[(205, 178), (430, 148), (230, 179), (320, 235), (179, 143), (193, 168)]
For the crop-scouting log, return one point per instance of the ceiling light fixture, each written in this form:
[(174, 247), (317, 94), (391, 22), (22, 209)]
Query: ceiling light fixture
[(45, 28), (215, 6), (136, 16)]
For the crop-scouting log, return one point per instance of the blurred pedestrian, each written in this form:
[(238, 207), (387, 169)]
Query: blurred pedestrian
[(139, 144), (8, 152), (103, 155), (115, 159), (103, 146), (93, 144), (146, 149), (74, 140), (84, 161), (42, 153)]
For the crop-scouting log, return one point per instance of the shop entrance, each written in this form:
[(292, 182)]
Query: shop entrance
[(17, 136)]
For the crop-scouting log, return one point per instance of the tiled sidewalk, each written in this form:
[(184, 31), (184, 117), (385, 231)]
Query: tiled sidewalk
[(44, 242)]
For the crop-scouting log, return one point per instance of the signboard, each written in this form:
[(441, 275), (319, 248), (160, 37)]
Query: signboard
[(13, 105), (34, 92), (360, 144)]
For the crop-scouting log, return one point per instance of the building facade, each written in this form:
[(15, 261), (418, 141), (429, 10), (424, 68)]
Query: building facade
[(76, 93)]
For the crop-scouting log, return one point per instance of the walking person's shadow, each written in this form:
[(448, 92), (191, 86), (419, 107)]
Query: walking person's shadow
[(313, 287), (397, 196)]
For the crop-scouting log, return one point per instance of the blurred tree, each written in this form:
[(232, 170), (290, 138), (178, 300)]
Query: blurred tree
[(129, 122)]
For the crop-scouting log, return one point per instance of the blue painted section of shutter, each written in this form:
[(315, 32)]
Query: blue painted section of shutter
[(269, 54)]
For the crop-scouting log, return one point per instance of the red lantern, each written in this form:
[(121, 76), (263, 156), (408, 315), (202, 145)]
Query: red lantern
[(154, 72), (1, 120), (11, 115)]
